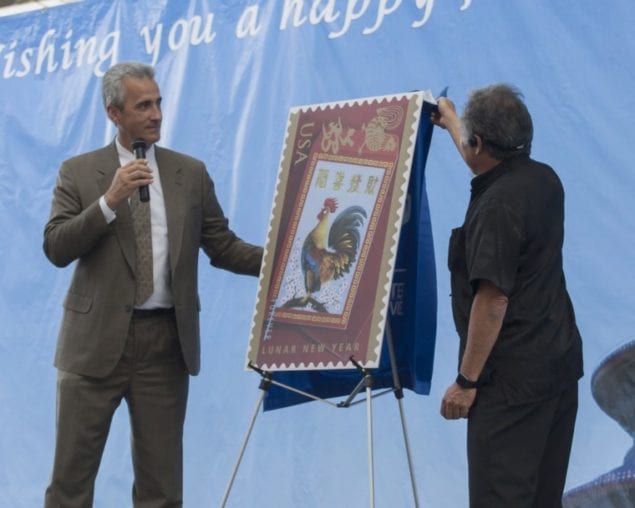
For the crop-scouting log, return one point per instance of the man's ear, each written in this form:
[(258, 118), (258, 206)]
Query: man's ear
[(476, 142), (113, 113)]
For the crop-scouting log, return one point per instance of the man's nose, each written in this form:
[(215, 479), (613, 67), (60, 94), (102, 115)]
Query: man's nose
[(155, 113)]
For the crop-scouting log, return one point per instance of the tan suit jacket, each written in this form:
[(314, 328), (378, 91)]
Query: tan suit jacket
[(99, 303)]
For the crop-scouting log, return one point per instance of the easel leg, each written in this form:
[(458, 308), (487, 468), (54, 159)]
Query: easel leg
[(371, 465), (408, 454), (399, 397), (264, 387)]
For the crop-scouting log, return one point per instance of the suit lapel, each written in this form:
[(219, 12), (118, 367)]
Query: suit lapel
[(123, 223), (171, 175)]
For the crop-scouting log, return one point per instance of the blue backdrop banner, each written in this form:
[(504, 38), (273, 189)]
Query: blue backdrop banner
[(229, 72)]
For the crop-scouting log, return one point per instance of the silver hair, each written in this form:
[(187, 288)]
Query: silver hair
[(111, 85), (498, 115)]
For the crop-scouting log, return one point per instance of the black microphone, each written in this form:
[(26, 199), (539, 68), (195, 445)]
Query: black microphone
[(139, 150)]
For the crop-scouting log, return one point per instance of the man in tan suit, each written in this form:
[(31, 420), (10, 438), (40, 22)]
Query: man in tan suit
[(123, 337)]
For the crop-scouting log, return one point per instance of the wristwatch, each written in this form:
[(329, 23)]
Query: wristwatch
[(464, 382)]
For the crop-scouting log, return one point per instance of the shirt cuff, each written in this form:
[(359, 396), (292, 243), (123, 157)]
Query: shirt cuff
[(109, 214)]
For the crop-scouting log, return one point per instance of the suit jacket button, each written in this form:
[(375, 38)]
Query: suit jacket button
[(128, 308)]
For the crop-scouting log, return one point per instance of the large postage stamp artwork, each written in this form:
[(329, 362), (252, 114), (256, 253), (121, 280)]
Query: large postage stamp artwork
[(333, 234)]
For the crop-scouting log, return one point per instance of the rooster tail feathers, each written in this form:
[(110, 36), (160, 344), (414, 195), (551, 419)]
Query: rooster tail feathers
[(344, 238), (348, 222)]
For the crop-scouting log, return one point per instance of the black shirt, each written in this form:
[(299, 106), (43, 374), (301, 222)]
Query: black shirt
[(512, 236)]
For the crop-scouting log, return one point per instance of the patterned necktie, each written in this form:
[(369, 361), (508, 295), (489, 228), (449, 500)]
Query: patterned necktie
[(143, 240)]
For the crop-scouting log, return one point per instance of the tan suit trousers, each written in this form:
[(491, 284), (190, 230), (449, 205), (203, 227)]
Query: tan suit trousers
[(152, 378)]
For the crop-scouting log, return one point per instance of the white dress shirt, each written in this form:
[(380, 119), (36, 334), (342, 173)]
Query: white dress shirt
[(162, 295)]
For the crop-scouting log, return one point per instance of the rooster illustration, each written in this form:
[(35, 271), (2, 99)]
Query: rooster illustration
[(319, 264)]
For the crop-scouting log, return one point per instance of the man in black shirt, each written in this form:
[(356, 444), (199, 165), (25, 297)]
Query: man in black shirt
[(520, 349)]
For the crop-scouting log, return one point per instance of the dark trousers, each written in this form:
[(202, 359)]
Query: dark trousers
[(152, 378), (518, 454)]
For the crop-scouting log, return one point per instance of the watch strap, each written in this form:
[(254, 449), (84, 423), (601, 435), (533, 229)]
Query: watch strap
[(464, 382)]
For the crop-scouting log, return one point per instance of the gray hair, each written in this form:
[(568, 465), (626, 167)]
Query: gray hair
[(499, 116), (111, 89)]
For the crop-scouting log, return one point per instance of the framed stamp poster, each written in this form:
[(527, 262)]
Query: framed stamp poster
[(332, 241)]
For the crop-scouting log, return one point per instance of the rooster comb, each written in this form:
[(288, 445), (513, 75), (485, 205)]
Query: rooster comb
[(331, 204)]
